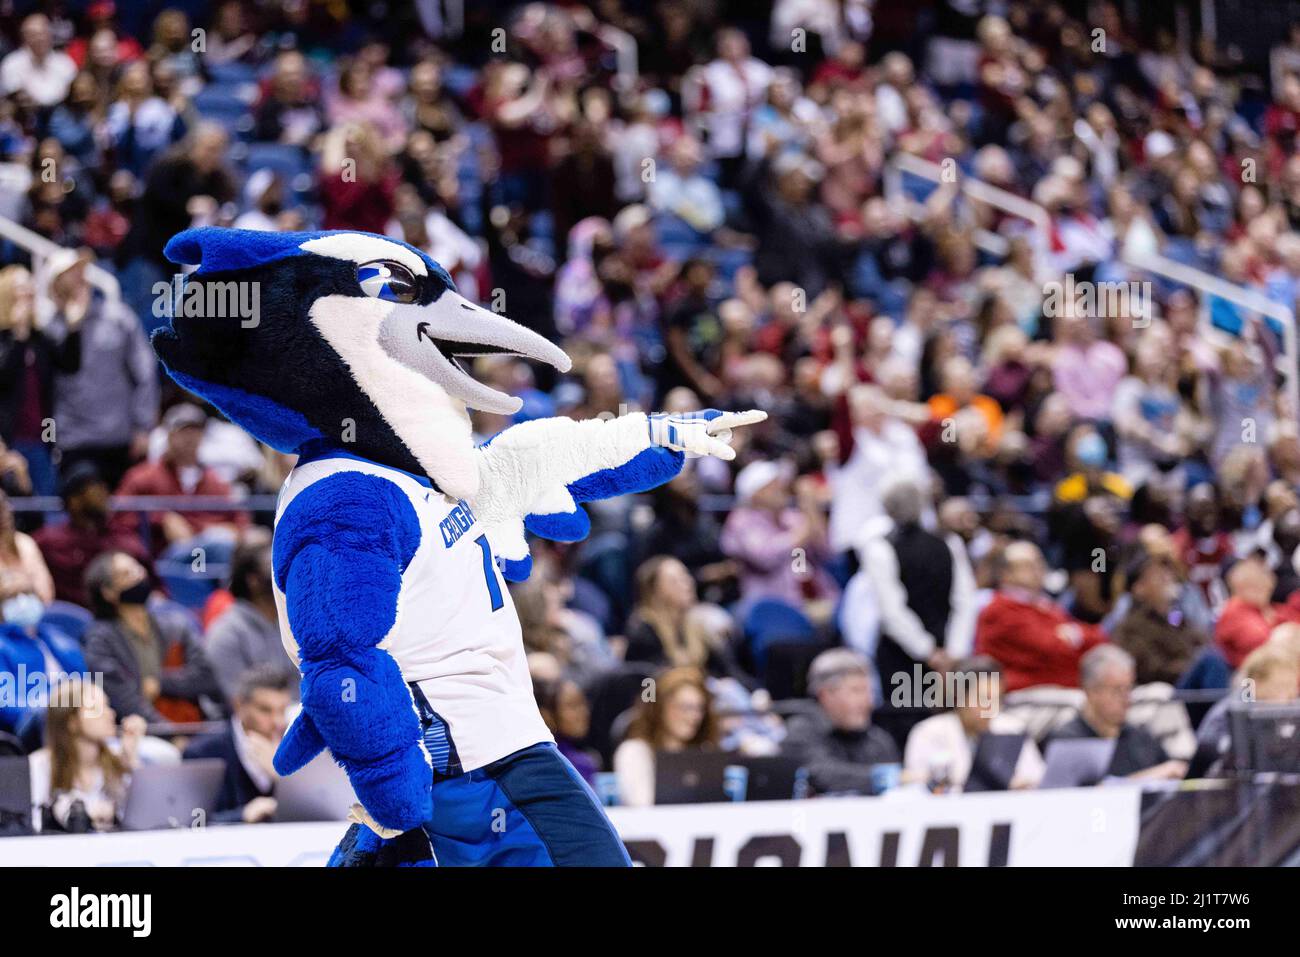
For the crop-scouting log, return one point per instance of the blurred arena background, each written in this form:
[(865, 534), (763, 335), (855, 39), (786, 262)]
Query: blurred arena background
[(1009, 575)]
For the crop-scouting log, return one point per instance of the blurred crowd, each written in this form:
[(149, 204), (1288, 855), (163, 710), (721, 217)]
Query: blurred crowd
[(976, 461)]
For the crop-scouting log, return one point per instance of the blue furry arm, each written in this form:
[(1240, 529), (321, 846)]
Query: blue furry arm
[(339, 553)]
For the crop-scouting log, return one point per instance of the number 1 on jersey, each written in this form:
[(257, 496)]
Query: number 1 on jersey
[(490, 572)]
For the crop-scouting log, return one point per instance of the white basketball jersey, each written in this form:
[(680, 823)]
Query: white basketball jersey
[(457, 634)]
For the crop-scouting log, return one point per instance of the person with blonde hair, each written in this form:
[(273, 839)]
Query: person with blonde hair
[(1269, 674), (80, 778), (663, 629), (30, 355)]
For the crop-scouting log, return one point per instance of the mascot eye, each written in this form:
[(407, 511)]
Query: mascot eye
[(388, 280)]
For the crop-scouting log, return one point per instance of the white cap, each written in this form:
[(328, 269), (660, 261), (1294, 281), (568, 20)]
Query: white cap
[(1158, 144), (756, 476), (61, 260)]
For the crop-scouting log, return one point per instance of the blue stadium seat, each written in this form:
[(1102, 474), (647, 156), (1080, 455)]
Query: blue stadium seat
[(232, 73), (290, 162), (66, 618), (229, 104), (771, 620)]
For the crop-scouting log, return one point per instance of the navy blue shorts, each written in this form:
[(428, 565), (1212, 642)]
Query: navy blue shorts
[(531, 808)]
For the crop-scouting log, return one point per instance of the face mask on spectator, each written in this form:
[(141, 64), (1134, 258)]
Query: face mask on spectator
[(1091, 451), (137, 594), (23, 610)]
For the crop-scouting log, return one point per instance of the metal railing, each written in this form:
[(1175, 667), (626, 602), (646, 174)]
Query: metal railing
[(41, 249), (1206, 283), (50, 504)]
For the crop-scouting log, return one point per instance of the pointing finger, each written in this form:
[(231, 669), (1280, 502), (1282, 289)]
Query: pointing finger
[(734, 420)]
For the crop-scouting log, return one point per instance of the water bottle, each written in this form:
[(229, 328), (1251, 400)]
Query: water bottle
[(607, 788), (735, 781)]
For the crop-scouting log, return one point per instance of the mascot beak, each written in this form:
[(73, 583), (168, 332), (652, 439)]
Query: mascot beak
[(432, 339)]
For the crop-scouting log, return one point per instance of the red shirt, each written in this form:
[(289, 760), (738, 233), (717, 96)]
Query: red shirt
[(1203, 558), (1035, 641), (1242, 628), (68, 550), (159, 478)]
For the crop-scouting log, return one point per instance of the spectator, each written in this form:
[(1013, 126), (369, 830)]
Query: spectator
[(1155, 632), (681, 190), (36, 68), (76, 122), (1087, 370), (565, 710), (30, 355), (779, 544), (943, 747), (69, 547), (361, 100), (247, 745), (139, 124), (693, 334), (80, 777), (975, 420), (836, 742), (732, 87), (925, 589), (358, 183), (30, 654), (230, 40), (1270, 675), (1203, 545), (247, 634), (658, 631), (289, 111), (1249, 615), (178, 474), (20, 554), (1034, 640), (190, 180), (152, 666), (1106, 674), (106, 407), (796, 236), (677, 716)]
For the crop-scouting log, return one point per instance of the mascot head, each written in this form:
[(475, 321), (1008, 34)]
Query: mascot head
[(338, 339)]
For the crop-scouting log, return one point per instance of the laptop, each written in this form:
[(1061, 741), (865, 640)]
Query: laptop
[(1266, 737), (994, 763), (169, 795), (1077, 762), (318, 792), (691, 777), (770, 778), (15, 789)]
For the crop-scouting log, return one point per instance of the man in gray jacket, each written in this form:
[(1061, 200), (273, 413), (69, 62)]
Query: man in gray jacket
[(104, 411), (837, 743)]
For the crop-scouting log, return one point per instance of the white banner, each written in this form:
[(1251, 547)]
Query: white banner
[(1077, 828)]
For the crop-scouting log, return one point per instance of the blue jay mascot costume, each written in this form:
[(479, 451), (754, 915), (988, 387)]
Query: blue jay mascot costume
[(394, 531)]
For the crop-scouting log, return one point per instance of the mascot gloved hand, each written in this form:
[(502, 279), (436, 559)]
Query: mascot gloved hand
[(345, 348)]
